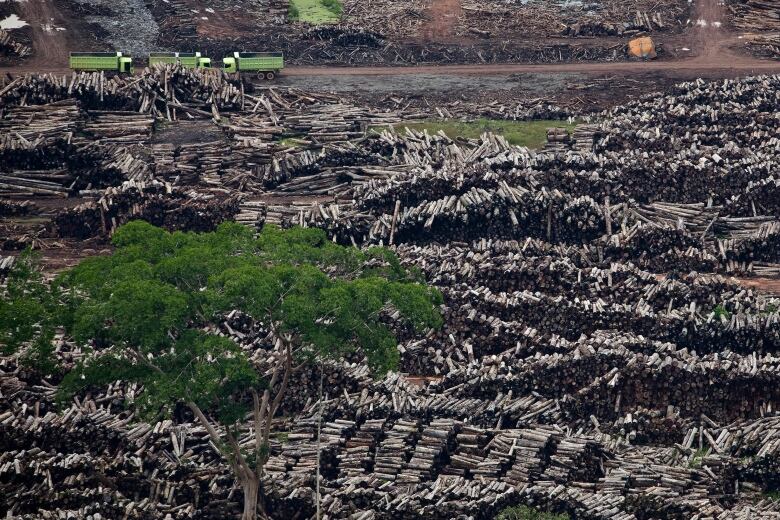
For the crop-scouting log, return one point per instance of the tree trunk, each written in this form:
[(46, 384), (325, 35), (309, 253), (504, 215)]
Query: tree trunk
[(319, 445), (251, 488)]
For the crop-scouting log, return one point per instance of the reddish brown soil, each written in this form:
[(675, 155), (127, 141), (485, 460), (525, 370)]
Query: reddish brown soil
[(221, 24), (422, 381), (442, 18), (767, 285)]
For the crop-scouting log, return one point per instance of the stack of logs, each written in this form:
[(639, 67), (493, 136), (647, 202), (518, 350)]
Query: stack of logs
[(10, 47), (155, 202)]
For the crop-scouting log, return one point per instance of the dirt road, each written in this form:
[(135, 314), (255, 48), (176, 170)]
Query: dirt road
[(704, 65), (712, 44)]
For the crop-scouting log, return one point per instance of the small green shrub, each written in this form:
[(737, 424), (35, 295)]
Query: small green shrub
[(720, 310), (293, 13), (334, 6), (698, 457), (772, 495)]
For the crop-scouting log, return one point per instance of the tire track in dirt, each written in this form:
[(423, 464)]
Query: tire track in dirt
[(709, 36), (50, 45)]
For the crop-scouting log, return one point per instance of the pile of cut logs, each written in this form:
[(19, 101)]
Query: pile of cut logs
[(155, 202), (10, 47)]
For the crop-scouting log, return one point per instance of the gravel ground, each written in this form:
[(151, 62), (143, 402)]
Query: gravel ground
[(132, 28), (425, 83)]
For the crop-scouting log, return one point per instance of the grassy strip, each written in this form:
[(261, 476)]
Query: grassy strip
[(527, 513), (316, 12), (532, 134)]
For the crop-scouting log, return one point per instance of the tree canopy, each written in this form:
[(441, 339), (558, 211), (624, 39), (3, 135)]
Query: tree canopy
[(149, 302)]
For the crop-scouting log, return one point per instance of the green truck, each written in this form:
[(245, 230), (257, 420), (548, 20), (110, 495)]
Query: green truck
[(190, 60), (266, 64), (96, 61)]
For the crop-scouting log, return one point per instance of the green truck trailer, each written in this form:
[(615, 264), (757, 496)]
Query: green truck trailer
[(265, 64), (190, 60), (107, 61)]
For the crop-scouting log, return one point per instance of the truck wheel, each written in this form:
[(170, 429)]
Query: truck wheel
[(260, 76), (270, 75)]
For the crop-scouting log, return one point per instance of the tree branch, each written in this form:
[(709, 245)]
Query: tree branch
[(282, 390), (215, 438), (242, 464)]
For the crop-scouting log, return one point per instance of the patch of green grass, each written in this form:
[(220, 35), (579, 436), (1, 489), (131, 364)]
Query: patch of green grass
[(334, 6), (293, 13), (281, 436), (316, 12), (532, 134), (698, 457), (720, 310), (772, 495), (293, 142), (528, 513)]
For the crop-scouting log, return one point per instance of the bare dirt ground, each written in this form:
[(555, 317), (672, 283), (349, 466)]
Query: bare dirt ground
[(50, 45), (767, 285), (442, 18)]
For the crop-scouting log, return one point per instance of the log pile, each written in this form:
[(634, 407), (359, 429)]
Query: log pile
[(162, 91), (345, 35), (394, 19), (755, 15), (10, 47), (609, 18), (155, 202), (591, 186)]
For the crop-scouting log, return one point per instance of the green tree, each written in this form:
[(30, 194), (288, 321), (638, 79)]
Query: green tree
[(28, 314), (148, 310)]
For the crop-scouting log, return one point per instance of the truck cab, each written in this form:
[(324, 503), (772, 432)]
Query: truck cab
[(126, 65), (230, 63)]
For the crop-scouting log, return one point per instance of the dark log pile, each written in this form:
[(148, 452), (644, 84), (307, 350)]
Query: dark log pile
[(11, 208), (345, 35), (155, 202), (10, 47)]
